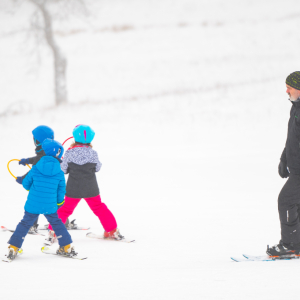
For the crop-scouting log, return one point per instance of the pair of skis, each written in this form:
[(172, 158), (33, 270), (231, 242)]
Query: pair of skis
[(48, 250), (90, 234), (69, 225), (45, 250)]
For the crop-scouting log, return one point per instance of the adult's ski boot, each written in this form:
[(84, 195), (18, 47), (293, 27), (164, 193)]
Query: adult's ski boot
[(51, 238), (67, 250), (114, 235), (283, 249)]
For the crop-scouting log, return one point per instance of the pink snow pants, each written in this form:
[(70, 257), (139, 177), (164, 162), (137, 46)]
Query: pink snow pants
[(105, 216)]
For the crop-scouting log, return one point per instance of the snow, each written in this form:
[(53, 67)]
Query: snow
[(187, 99)]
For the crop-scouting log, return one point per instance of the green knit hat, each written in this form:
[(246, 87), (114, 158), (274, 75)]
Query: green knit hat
[(293, 80)]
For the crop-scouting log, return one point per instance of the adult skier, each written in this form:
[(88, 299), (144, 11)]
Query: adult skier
[(289, 167)]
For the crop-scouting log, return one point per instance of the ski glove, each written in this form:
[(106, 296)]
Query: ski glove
[(24, 161), (19, 180), (283, 170)]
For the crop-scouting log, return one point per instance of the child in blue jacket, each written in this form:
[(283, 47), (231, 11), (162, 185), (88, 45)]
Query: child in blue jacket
[(39, 133), (47, 187)]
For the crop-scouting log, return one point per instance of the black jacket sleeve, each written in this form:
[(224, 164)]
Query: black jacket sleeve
[(34, 160), (283, 156)]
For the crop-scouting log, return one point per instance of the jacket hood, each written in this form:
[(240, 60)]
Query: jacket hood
[(48, 165)]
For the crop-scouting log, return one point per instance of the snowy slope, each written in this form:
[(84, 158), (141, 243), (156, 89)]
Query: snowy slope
[(190, 113)]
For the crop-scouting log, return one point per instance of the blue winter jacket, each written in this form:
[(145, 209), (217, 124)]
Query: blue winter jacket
[(47, 186)]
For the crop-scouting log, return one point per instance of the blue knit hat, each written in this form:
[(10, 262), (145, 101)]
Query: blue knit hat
[(42, 132), (83, 134), (53, 148)]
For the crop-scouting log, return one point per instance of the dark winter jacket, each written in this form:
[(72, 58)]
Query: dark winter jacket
[(291, 152), (46, 185), (81, 163)]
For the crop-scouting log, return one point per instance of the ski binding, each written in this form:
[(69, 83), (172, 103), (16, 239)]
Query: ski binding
[(8, 260), (47, 250)]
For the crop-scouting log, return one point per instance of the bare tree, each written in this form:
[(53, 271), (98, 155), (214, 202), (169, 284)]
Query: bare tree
[(60, 62), (42, 24)]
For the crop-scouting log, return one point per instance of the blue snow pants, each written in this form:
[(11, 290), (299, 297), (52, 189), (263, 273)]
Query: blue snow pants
[(28, 220)]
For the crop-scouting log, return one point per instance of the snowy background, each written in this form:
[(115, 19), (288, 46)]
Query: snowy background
[(187, 99)]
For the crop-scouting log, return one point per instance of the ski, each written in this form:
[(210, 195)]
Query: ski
[(47, 250), (259, 258), (11, 230), (8, 260), (271, 258), (98, 236), (251, 258), (236, 259), (78, 228), (265, 258), (69, 225)]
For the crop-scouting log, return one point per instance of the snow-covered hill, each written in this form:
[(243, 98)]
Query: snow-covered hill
[(188, 102)]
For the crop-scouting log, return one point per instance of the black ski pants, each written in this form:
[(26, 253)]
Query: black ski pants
[(289, 210)]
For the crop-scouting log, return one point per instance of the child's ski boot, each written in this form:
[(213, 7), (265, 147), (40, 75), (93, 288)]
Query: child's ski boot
[(51, 239), (33, 229), (114, 235), (67, 250), (71, 225), (13, 252)]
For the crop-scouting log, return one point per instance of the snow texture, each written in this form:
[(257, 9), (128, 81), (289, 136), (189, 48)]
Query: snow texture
[(187, 99)]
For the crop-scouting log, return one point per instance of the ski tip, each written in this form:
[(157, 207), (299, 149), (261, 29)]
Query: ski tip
[(235, 259)]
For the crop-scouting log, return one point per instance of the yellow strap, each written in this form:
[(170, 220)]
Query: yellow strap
[(9, 169)]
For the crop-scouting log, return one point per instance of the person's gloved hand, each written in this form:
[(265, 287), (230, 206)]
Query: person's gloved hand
[(24, 161), (283, 170), (19, 180)]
